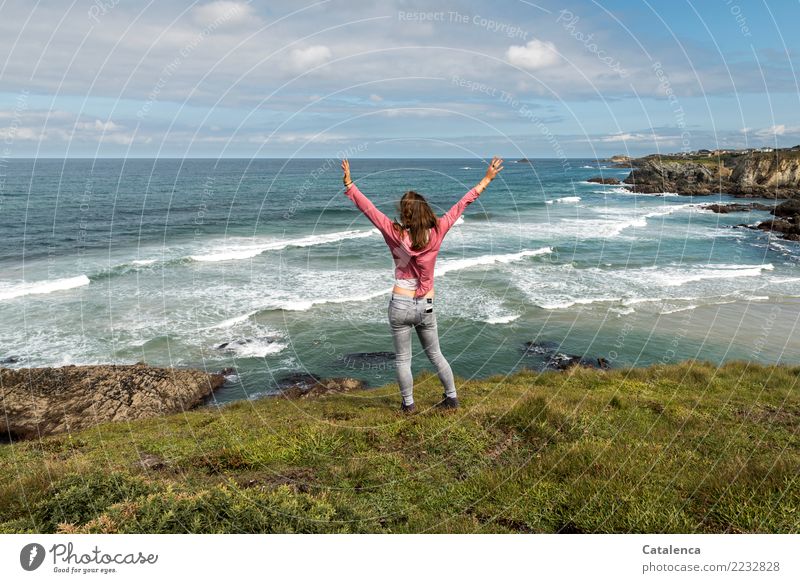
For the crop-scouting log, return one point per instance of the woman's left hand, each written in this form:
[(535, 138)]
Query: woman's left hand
[(346, 170)]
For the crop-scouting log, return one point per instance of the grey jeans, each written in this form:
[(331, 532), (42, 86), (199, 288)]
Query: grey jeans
[(406, 313)]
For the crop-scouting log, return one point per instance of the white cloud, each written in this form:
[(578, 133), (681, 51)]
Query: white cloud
[(300, 138), (10, 134), (222, 12), (654, 137), (303, 59), (536, 54), (97, 125), (627, 137), (776, 130), (375, 97)]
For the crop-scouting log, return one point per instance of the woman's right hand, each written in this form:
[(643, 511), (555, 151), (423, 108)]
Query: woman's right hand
[(495, 166)]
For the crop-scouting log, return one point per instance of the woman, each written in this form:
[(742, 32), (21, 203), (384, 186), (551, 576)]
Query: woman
[(414, 241)]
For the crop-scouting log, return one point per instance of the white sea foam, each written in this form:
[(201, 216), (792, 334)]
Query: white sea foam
[(230, 322), (255, 348), (564, 200), (458, 264), (625, 191), (18, 290), (678, 309), (353, 290), (236, 251), (563, 286), (302, 305), (501, 319), (603, 222), (672, 276), (141, 262), (556, 303)]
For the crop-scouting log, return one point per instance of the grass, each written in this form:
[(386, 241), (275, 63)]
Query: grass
[(674, 448)]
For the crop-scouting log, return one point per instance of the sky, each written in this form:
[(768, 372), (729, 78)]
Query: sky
[(396, 78)]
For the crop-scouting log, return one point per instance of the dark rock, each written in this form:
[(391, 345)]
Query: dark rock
[(304, 386), (539, 347), (43, 401), (551, 359), (301, 380), (601, 180), (233, 345), (561, 361), (228, 371), (9, 360), (787, 228), (736, 207), (788, 208)]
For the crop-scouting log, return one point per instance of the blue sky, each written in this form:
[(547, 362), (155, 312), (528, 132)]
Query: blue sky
[(396, 78)]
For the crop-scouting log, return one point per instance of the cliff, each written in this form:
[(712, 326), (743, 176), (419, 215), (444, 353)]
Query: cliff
[(755, 174), (766, 175)]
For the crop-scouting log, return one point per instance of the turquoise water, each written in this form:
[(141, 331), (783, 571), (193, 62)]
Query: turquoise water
[(164, 261)]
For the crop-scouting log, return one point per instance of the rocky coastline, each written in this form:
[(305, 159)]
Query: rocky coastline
[(747, 175), (751, 174)]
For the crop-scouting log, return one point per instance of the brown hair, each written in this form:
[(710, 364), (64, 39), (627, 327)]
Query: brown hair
[(416, 217)]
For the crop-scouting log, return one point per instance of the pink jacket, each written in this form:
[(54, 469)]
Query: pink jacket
[(410, 262)]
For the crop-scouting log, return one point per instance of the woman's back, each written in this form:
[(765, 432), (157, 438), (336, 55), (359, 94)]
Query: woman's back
[(410, 262)]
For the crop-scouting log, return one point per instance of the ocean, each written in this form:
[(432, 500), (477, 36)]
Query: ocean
[(264, 266)]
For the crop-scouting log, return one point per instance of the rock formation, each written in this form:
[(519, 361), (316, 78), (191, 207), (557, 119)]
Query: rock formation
[(786, 222), (689, 178), (304, 386), (755, 174), (738, 207), (547, 356), (601, 180), (42, 401)]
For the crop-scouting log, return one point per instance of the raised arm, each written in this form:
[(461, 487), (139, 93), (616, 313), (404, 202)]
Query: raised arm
[(450, 217), (376, 217)]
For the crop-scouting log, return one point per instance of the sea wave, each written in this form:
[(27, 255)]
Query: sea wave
[(681, 276), (19, 290), (609, 223), (554, 287), (232, 252), (562, 303), (459, 264), (564, 200), (255, 347), (502, 319)]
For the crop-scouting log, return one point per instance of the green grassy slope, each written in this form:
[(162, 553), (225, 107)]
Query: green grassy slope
[(676, 448)]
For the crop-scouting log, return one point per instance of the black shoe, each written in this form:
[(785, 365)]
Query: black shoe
[(408, 409), (448, 402)]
